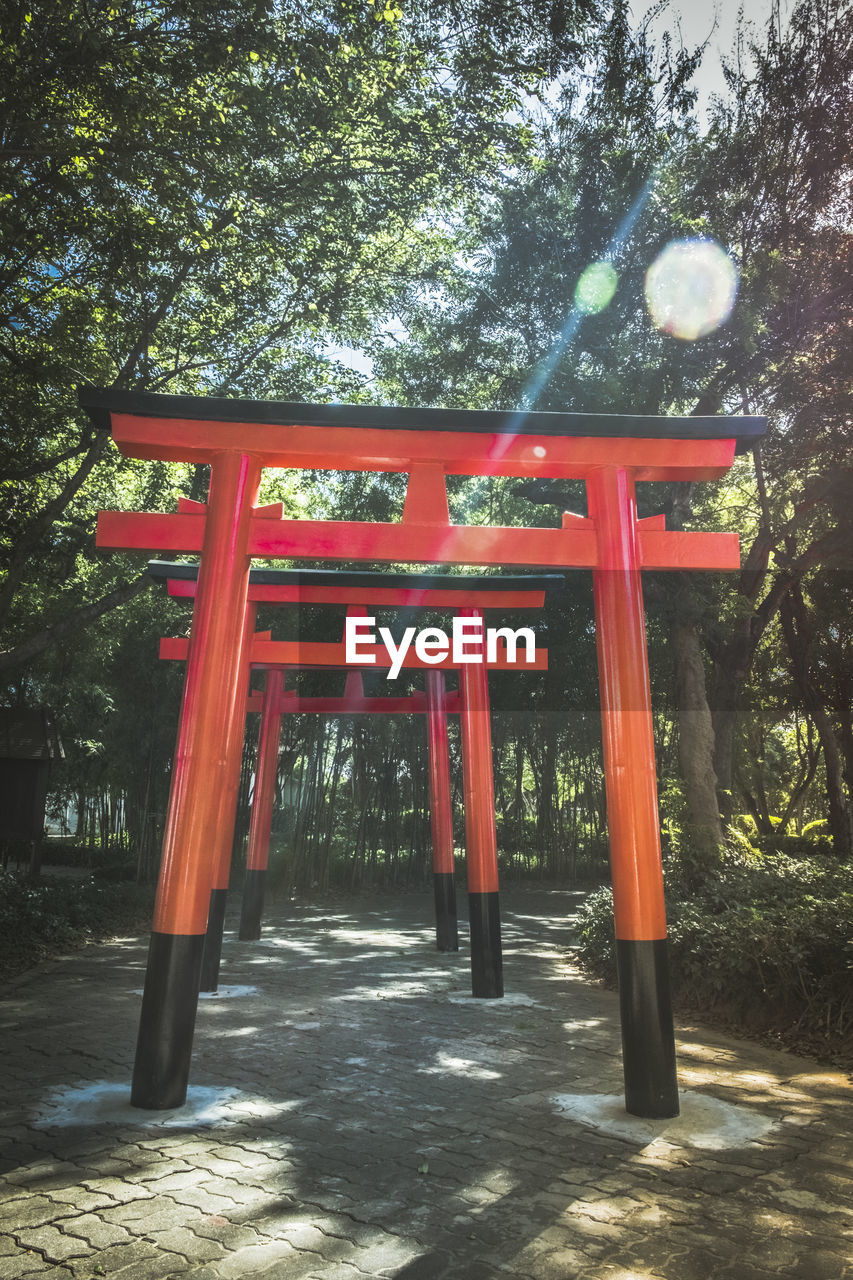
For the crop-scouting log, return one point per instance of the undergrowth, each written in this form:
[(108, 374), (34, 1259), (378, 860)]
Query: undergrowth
[(765, 946), (38, 921)]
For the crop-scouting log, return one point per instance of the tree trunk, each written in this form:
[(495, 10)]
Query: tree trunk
[(731, 669), (703, 837), (795, 627), (843, 709)]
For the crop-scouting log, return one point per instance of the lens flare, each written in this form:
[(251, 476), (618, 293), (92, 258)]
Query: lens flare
[(691, 288), (595, 288)]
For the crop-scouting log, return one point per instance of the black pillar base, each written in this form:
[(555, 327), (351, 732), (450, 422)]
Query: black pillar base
[(446, 926), (487, 981), (252, 909), (213, 940), (162, 1068), (648, 1038)]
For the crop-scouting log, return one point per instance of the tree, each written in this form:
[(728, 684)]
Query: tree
[(204, 198), (622, 170), (777, 165)]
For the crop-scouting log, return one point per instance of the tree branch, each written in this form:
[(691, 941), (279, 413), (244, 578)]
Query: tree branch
[(45, 519), (46, 464), (72, 622)]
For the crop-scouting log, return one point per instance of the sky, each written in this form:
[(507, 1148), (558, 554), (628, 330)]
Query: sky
[(700, 20)]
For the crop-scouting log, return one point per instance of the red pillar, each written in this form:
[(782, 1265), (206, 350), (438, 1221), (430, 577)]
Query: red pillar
[(441, 815), (260, 823), (229, 795), (648, 1043), (167, 1021), (480, 837)]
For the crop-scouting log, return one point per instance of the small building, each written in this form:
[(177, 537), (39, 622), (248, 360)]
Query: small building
[(28, 742)]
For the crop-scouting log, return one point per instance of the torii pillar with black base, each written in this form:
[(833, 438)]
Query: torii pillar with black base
[(441, 816), (263, 799), (648, 1041), (480, 837), (187, 869), (228, 799)]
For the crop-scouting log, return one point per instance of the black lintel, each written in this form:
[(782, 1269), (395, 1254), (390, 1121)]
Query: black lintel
[(162, 570)]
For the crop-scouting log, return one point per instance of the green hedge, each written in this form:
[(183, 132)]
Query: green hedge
[(767, 942), (38, 921)]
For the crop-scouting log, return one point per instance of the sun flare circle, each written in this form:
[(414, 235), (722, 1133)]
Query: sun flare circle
[(691, 288)]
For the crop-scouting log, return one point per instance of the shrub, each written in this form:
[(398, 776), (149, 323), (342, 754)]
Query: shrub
[(768, 941), (41, 920)]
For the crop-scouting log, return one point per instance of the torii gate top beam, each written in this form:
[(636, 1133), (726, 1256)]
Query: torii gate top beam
[(378, 438), (430, 444)]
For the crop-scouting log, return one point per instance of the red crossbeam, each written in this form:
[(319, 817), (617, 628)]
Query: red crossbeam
[(296, 704), (376, 597), (324, 653), (573, 547)]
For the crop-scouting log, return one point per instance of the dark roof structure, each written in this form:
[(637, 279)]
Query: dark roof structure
[(29, 733), (162, 570)]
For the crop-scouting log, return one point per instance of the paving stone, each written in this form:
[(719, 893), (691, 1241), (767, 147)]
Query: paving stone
[(161, 1170), (22, 1262), (129, 1216), (46, 1176), (82, 1200), (253, 1259), (150, 1209), (557, 1264), (246, 1193), (196, 1248), (819, 1264), (119, 1189), (202, 1197), (162, 1267), (360, 1071), (96, 1231), (60, 1272), (54, 1245), (388, 1256), (116, 1258), (743, 1271), (29, 1212), (334, 1271), (230, 1234)]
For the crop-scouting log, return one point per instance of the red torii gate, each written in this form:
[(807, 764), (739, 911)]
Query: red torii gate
[(611, 453), (326, 587), (436, 704)]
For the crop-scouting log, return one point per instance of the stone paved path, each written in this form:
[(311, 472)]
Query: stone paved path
[(359, 1115)]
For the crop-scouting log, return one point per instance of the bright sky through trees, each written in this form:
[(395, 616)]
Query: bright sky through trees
[(717, 23)]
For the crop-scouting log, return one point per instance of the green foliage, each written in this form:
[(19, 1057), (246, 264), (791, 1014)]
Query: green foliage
[(214, 199), (211, 199), (40, 921), (768, 942)]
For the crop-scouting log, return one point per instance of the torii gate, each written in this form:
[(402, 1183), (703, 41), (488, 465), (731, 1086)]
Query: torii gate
[(275, 700), (611, 453), (376, 590), (359, 590)]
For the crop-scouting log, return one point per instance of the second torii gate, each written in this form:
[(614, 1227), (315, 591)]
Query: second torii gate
[(611, 453), (436, 704), (460, 593)]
